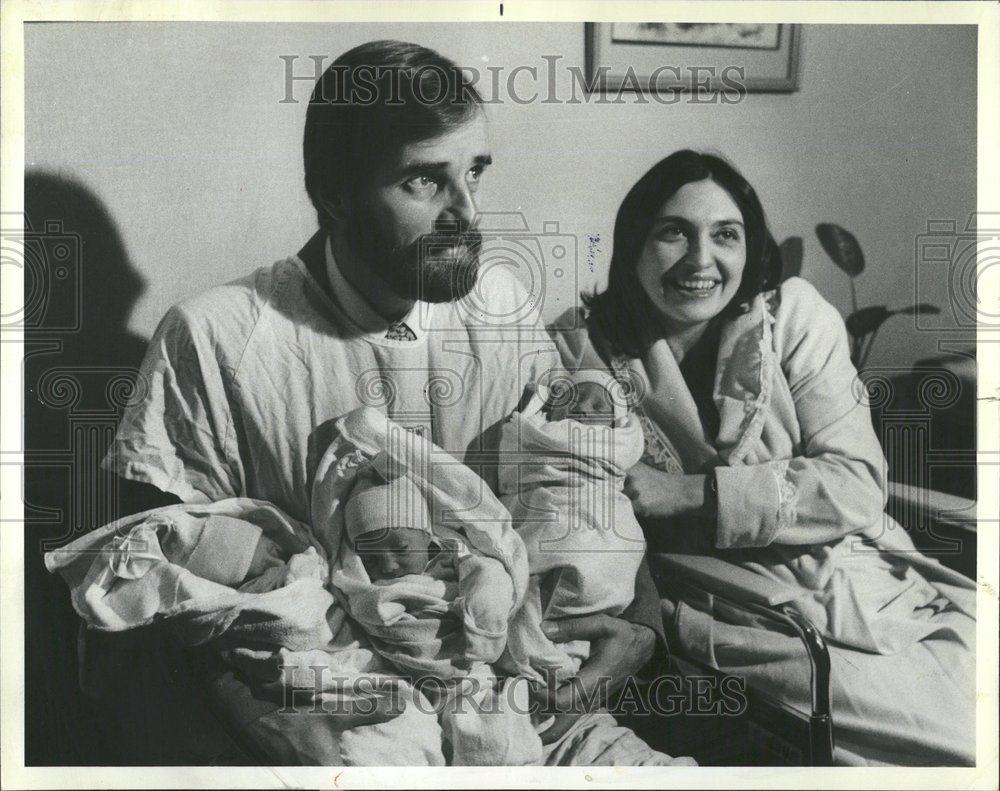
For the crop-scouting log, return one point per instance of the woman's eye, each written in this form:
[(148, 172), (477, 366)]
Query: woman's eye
[(671, 232), (728, 235)]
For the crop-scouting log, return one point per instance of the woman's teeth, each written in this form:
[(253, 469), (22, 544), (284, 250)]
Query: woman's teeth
[(696, 286)]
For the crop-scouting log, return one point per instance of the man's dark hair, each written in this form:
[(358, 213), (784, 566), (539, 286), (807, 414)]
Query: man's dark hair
[(626, 324), (372, 100)]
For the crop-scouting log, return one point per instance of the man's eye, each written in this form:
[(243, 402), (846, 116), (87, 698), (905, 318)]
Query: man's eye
[(476, 173), (422, 184)]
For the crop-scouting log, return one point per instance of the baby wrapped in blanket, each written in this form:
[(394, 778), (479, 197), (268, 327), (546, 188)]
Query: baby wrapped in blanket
[(243, 576), (428, 603), (566, 454), (252, 582), (430, 568)]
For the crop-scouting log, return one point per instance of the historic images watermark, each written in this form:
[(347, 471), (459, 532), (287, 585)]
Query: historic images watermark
[(667, 695), (547, 83)]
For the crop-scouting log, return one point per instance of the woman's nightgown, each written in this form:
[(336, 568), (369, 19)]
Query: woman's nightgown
[(801, 482)]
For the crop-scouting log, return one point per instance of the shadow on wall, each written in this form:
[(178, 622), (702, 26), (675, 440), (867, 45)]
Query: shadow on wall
[(79, 371)]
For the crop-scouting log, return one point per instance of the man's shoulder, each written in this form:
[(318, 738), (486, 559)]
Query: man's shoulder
[(234, 306)]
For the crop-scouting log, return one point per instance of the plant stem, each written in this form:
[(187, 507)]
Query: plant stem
[(868, 349), (856, 343), (857, 346)]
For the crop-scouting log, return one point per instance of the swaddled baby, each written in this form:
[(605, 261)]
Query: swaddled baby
[(566, 455), (434, 607), (429, 603)]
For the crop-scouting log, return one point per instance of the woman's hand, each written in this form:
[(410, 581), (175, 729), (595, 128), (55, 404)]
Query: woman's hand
[(618, 649), (658, 494), (650, 490)]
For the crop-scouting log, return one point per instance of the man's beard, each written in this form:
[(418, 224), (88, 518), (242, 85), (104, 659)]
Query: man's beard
[(424, 269)]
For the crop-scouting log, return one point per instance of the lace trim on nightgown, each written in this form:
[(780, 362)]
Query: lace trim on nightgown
[(787, 494), (657, 451), (756, 408)]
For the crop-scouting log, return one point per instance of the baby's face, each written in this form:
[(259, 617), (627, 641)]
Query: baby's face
[(591, 405), (396, 552)]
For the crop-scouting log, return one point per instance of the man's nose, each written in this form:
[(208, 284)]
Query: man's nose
[(461, 208)]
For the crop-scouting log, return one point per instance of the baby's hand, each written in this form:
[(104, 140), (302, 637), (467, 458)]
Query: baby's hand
[(306, 565)]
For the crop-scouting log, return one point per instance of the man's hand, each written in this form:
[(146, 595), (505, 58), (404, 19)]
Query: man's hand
[(298, 737), (295, 688), (618, 649)]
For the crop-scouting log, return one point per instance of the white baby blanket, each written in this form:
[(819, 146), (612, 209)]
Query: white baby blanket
[(562, 483), (449, 623)]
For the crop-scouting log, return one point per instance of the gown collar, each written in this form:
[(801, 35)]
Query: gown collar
[(742, 392)]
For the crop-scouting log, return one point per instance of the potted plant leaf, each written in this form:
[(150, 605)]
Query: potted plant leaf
[(863, 324)]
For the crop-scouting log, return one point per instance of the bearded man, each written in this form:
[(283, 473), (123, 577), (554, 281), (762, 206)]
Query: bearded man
[(384, 307)]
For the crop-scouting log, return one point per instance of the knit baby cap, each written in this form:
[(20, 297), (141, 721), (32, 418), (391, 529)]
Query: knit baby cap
[(385, 498)]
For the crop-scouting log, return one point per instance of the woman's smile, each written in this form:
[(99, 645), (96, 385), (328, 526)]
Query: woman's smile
[(693, 259), (697, 286)]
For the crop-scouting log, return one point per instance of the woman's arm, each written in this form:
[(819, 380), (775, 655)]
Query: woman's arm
[(835, 484), (660, 495)]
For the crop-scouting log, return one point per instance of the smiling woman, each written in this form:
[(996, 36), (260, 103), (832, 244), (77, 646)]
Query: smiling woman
[(758, 451), (693, 260), (692, 236)]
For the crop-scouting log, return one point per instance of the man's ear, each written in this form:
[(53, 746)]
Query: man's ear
[(335, 206)]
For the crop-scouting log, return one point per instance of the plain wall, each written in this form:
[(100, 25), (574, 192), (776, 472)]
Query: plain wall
[(179, 129)]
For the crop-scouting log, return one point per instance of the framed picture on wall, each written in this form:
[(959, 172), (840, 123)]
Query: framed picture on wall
[(670, 57)]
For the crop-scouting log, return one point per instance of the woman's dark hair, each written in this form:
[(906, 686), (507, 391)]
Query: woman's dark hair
[(624, 323), (372, 100)]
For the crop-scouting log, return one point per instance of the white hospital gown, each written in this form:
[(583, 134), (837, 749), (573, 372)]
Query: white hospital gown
[(242, 383)]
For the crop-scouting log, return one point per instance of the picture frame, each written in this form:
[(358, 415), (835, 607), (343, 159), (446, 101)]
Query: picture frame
[(671, 57)]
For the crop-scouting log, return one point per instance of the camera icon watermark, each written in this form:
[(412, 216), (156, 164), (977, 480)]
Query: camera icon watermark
[(543, 261), (51, 261), (964, 262)]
